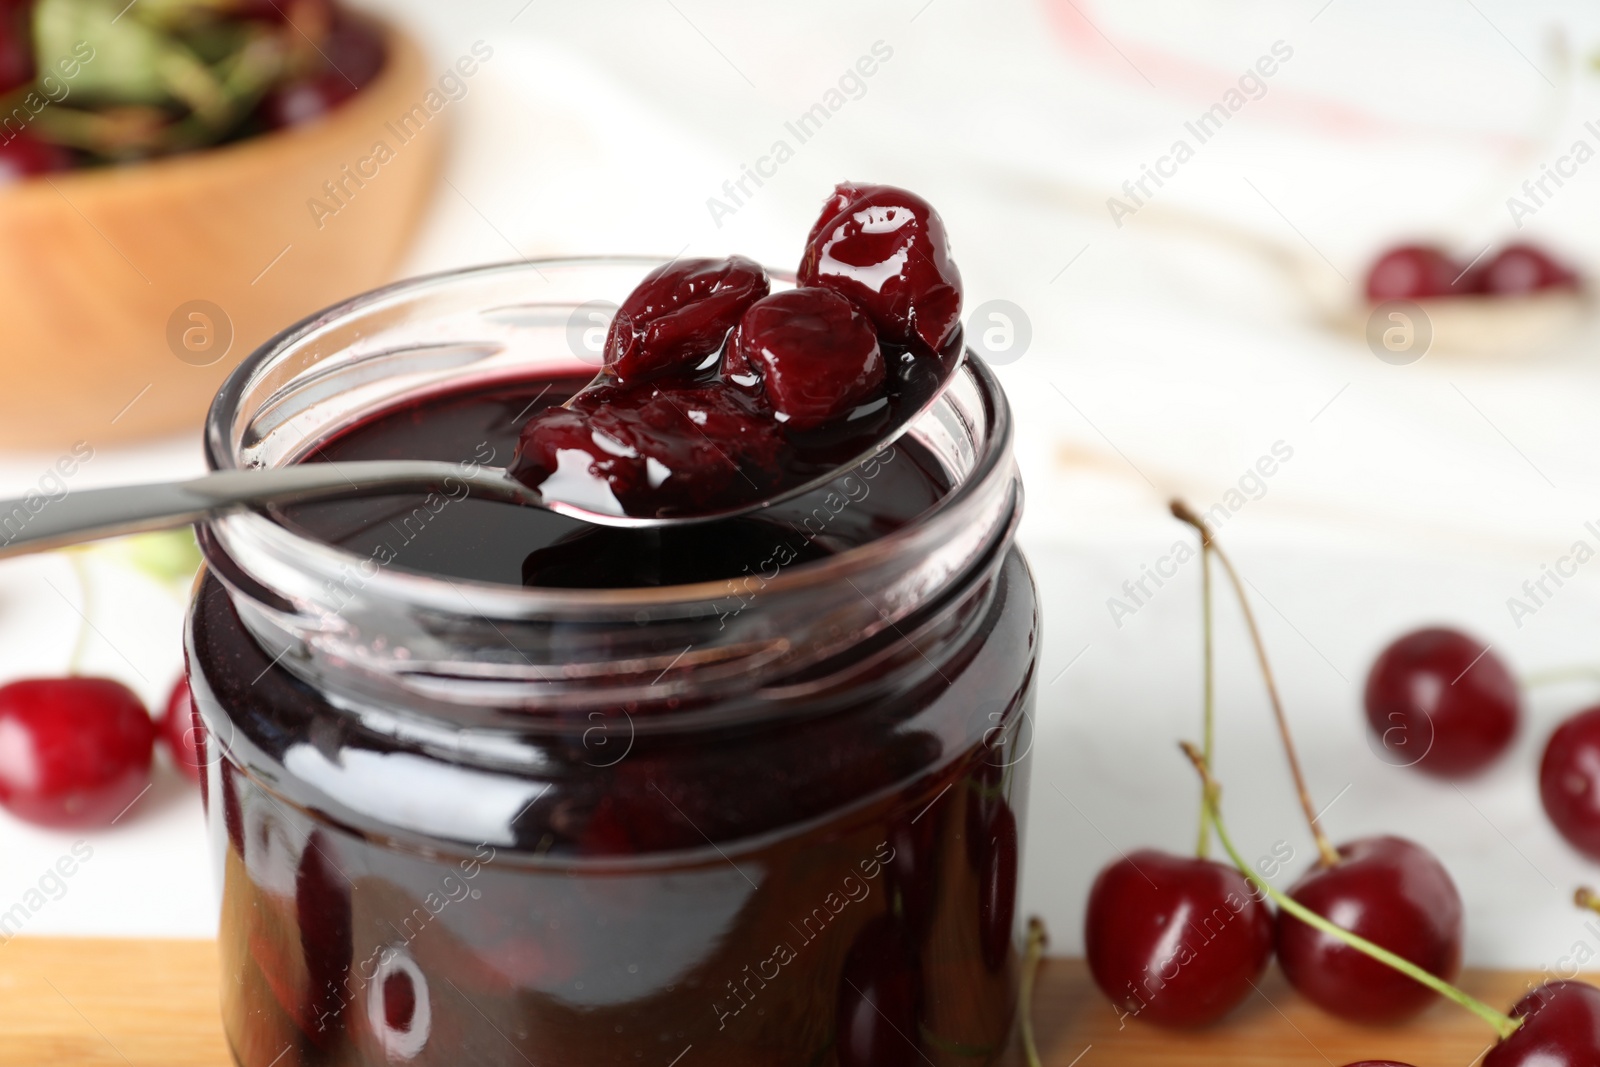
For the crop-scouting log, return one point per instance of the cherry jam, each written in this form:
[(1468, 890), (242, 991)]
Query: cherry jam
[(482, 540), (475, 798), (716, 393)]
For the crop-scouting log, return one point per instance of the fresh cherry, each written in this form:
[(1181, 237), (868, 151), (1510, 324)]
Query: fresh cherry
[(811, 352), (73, 751), (1413, 272), (1393, 893), (1555, 1025), (24, 155), (353, 54), (1442, 702), (680, 314), (885, 249), (181, 732), (1519, 269), (652, 450), (1175, 940), (1560, 1028), (878, 1013), (1569, 781)]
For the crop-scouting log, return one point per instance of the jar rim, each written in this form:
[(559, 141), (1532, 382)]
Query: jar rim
[(222, 453)]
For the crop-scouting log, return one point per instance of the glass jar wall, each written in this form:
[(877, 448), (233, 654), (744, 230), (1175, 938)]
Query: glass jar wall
[(486, 786)]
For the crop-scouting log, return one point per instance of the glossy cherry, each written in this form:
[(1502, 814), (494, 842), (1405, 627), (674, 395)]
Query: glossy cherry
[(1175, 940), (1520, 269), (714, 394), (1413, 272), (680, 314), (879, 1007), (353, 54), (1395, 894), (1560, 1028), (885, 249), (810, 352), (1439, 700), (24, 155), (1569, 781), (652, 450), (73, 751), (181, 732)]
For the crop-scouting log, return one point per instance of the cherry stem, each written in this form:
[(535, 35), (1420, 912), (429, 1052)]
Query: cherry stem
[(1038, 941), (1209, 719), (1585, 898), (81, 644), (1557, 675), (1330, 856), (1503, 1024)]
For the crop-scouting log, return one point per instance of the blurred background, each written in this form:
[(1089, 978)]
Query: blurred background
[(1159, 336)]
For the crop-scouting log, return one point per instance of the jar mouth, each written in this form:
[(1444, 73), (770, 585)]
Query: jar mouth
[(476, 327)]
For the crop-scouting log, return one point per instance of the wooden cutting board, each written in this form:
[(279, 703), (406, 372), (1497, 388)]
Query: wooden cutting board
[(89, 1003)]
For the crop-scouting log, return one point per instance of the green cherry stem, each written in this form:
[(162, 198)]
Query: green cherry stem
[(1503, 1024), (1038, 941), (80, 645), (1586, 899), (1330, 855), (1209, 719)]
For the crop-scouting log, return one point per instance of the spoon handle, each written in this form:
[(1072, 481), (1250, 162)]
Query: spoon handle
[(37, 523)]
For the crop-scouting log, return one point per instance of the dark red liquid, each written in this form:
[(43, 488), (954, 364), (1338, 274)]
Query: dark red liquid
[(484, 540), (735, 892)]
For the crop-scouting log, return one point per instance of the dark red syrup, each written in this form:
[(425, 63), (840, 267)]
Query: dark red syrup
[(832, 883)]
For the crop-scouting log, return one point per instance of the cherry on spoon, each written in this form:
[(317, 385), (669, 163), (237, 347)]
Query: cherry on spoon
[(716, 391)]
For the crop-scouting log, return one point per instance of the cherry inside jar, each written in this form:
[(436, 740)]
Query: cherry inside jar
[(487, 785)]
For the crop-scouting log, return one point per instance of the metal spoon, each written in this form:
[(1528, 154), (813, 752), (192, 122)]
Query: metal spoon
[(37, 524)]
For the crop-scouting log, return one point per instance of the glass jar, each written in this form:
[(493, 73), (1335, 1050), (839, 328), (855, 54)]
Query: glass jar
[(769, 819)]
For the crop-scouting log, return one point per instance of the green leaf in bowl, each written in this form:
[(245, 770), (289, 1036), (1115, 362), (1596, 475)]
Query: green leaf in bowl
[(128, 54)]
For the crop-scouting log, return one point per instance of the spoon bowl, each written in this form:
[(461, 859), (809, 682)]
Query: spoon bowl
[(38, 524)]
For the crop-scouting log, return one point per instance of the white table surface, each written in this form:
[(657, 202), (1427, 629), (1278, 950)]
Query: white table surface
[(1165, 359)]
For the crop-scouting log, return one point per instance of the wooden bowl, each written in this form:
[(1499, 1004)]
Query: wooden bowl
[(128, 293)]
